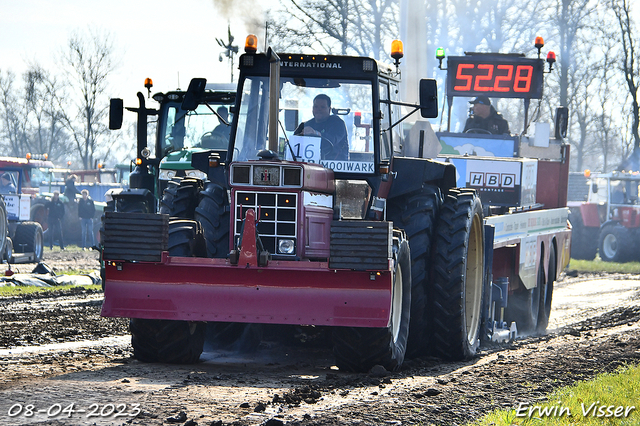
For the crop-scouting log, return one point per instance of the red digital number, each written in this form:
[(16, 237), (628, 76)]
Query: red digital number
[(460, 76), (523, 75), (480, 78), (498, 86)]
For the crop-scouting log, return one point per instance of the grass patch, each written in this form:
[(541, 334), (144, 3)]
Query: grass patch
[(6, 291), (598, 265), (606, 400)]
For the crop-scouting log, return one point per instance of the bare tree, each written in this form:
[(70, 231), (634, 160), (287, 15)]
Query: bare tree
[(87, 63), (358, 27), (13, 131), (629, 64), (45, 127)]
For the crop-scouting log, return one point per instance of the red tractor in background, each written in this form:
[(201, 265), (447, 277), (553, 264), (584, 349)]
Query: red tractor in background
[(607, 223)]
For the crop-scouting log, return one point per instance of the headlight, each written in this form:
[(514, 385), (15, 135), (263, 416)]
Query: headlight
[(167, 174), (196, 174), (286, 246)]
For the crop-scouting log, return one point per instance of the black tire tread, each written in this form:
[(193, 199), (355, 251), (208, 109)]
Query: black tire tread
[(166, 341), (29, 236), (213, 214), (584, 240), (417, 214), (359, 349), (447, 313), (180, 198)]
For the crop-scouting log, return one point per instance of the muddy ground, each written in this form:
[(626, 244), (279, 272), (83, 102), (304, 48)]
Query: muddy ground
[(62, 364)]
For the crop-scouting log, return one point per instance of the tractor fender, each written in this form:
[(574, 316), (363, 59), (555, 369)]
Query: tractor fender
[(614, 222), (412, 174), (589, 213)]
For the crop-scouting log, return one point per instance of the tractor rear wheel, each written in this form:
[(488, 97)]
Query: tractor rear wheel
[(615, 243), (457, 281), (186, 238), (359, 349), (29, 238), (584, 239), (416, 214), (173, 342), (180, 199), (213, 215)]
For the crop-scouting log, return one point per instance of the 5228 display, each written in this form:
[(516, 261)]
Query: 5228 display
[(499, 77)]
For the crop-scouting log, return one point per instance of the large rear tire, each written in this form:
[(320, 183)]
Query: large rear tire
[(180, 199), (416, 214), (615, 244), (186, 238), (29, 238), (584, 239), (173, 342), (213, 214), (523, 306), (457, 277), (359, 349)]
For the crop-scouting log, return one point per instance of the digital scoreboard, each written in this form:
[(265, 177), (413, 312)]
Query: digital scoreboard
[(503, 76)]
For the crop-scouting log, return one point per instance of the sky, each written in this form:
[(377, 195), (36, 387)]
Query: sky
[(169, 41)]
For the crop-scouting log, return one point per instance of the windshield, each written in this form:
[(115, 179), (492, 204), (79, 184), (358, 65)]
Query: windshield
[(325, 121), (199, 128), (624, 191)]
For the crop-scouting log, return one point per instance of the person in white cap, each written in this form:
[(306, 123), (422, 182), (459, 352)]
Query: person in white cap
[(485, 118)]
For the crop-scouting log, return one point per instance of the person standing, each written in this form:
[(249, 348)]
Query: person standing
[(86, 211), (70, 189), (55, 209)]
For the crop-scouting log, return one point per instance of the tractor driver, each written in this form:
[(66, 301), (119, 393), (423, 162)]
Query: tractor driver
[(485, 117), (327, 126), (6, 185)]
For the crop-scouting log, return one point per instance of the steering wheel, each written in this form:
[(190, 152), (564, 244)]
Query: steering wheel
[(326, 147), (478, 130)]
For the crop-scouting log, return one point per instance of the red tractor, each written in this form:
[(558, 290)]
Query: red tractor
[(609, 221), (371, 240)]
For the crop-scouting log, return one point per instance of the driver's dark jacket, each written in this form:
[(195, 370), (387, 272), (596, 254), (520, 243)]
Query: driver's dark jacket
[(494, 123), (333, 130)]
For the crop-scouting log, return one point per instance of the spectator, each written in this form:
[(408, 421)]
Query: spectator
[(55, 209), (6, 185), (70, 189), (86, 211)]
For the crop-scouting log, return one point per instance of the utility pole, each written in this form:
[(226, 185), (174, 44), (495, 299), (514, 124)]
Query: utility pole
[(229, 49)]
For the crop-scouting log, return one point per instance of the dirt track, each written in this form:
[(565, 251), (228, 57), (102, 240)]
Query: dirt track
[(285, 383)]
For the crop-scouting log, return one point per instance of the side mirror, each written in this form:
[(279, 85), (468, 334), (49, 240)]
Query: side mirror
[(194, 94), (428, 98), (594, 188), (116, 108), (561, 122)]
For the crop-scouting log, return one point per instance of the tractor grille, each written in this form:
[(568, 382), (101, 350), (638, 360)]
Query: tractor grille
[(277, 213)]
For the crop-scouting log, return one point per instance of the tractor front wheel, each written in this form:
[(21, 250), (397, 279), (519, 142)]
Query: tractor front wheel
[(168, 341), (615, 243), (359, 349)]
